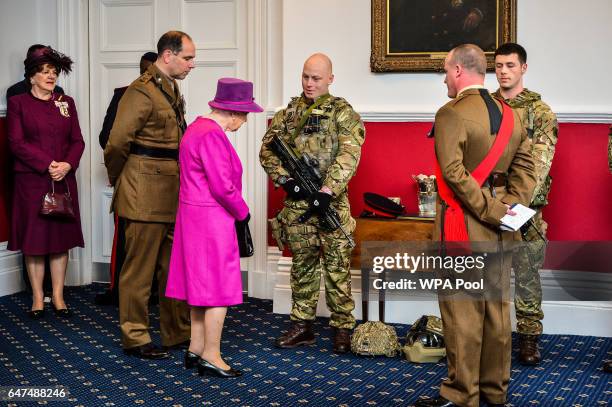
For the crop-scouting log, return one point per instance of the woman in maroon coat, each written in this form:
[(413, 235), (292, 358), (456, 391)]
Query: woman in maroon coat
[(46, 141)]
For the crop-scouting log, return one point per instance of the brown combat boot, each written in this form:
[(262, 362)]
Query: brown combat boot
[(299, 333), (529, 354), (342, 340)]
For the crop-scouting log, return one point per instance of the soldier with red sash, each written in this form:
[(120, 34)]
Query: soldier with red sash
[(483, 167)]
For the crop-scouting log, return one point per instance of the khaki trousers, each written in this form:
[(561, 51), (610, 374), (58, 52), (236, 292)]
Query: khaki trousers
[(478, 339), (148, 247)]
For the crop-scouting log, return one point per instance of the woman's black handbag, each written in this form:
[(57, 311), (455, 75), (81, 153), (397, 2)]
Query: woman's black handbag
[(245, 241)]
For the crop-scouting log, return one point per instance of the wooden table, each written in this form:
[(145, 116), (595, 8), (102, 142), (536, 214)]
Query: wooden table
[(380, 229)]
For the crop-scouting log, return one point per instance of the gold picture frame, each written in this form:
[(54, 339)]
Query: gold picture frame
[(416, 35)]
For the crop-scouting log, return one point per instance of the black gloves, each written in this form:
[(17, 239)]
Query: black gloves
[(293, 190), (319, 202), (245, 220)]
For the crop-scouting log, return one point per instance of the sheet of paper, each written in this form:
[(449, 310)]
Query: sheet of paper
[(514, 223)]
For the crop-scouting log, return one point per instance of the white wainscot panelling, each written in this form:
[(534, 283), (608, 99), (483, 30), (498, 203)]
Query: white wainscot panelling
[(127, 25), (10, 271), (108, 227), (212, 24), (587, 317), (201, 85), (118, 74), (113, 75)]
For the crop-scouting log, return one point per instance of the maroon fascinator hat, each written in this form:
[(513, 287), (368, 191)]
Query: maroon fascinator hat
[(235, 95), (47, 55)]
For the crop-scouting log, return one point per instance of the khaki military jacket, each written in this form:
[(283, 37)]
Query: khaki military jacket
[(462, 140), (146, 189)]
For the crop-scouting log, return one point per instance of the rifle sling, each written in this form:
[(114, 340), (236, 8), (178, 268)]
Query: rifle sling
[(307, 114)]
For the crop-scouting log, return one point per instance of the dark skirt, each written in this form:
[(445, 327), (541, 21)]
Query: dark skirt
[(33, 233)]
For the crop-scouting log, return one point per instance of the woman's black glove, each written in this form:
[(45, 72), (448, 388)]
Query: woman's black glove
[(245, 220), (293, 190), (319, 202)]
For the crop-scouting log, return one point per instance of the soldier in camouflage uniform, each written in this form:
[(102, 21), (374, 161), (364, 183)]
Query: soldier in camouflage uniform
[(542, 128), (328, 129)]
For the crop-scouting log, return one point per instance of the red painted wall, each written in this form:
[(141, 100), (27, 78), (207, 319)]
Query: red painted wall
[(579, 208)]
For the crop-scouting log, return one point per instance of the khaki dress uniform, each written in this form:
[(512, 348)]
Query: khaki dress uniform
[(477, 331), (141, 160)]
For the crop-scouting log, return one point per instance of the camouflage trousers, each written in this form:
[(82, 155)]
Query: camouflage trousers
[(315, 251), (528, 290)]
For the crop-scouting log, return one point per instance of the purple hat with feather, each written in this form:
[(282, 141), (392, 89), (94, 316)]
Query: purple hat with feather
[(235, 95), (46, 55)]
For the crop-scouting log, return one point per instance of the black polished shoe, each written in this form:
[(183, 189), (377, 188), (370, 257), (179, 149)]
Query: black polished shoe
[(191, 360), (36, 314), (147, 351), (208, 369), (439, 402), (177, 346), (62, 313)]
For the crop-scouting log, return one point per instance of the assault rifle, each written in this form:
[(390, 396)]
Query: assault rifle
[(304, 170)]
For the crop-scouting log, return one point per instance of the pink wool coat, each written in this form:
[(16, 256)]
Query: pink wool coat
[(205, 263)]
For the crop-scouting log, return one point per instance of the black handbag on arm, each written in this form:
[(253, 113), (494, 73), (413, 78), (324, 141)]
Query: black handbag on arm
[(245, 241)]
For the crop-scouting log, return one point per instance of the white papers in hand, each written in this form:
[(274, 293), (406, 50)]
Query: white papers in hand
[(513, 223)]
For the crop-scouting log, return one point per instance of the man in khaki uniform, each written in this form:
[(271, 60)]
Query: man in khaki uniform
[(542, 128), (477, 328), (140, 158)]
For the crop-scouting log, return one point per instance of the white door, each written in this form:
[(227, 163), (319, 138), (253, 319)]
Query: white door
[(120, 32)]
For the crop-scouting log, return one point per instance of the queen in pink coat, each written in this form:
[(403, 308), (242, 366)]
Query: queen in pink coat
[(205, 261)]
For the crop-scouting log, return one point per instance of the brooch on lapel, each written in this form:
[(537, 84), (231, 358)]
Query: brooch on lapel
[(63, 107)]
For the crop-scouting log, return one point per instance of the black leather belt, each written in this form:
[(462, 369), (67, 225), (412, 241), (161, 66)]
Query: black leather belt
[(495, 180), (154, 152)]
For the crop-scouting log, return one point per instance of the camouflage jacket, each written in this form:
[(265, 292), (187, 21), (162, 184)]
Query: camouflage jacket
[(542, 129), (333, 134)]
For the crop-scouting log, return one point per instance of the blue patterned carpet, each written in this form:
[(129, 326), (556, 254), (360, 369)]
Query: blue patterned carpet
[(84, 355)]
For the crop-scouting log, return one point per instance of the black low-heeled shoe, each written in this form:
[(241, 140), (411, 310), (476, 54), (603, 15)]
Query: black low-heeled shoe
[(62, 313), (207, 368), (191, 360), (36, 314)]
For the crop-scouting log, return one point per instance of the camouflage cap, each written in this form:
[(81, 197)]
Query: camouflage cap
[(375, 338)]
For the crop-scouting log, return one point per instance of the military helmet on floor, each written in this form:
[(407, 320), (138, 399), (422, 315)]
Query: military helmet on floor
[(425, 340), (375, 338)]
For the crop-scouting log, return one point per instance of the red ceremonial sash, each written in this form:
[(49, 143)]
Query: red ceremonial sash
[(454, 226)]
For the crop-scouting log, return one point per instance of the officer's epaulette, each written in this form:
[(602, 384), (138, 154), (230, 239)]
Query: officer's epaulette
[(459, 98), (146, 77)]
